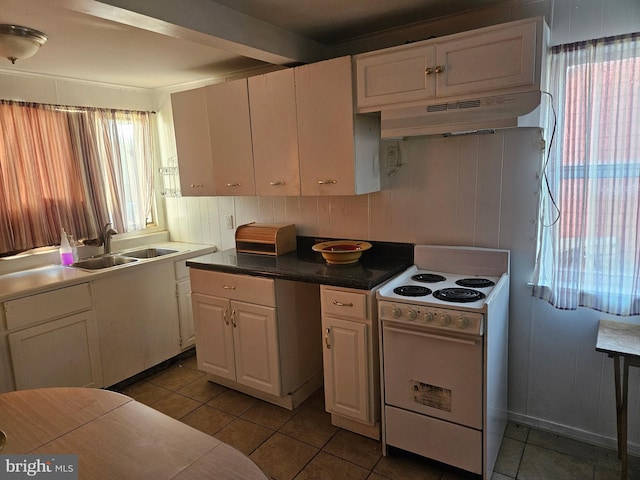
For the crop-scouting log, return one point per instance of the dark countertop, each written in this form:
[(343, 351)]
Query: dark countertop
[(383, 261)]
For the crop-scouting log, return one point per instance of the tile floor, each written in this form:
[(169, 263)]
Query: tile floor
[(303, 445)]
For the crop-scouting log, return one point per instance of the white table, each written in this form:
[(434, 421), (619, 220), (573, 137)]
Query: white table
[(115, 437), (618, 339)]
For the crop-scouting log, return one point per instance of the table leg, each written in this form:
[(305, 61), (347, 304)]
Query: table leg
[(622, 393), (616, 372)]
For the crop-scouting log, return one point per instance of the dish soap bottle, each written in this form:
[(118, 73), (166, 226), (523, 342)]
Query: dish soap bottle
[(66, 253)]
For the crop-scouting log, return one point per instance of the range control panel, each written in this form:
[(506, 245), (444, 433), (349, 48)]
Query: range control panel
[(470, 323)]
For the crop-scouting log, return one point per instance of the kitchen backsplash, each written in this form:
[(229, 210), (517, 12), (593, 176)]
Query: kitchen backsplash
[(455, 191)]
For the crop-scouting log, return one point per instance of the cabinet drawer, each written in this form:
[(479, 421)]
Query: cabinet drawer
[(56, 303), (244, 288), (343, 303)]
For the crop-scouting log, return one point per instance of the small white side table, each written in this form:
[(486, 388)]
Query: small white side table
[(618, 339)]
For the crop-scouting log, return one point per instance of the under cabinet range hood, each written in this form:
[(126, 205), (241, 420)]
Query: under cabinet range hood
[(470, 115)]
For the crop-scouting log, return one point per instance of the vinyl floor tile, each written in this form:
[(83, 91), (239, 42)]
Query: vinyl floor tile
[(145, 392), (591, 453), (355, 448), (268, 415), (283, 457), (509, 457), (407, 467), (175, 405), (175, 377), (324, 466), (202, 390), (208, 419), (233, 402), (311, 426), (303, 445), (244, 435), (540, 463)]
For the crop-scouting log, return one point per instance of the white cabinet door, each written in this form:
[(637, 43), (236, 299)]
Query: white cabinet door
[(191, 125), (396, 76), (214, 335), (499, 59), (185, 314), (63, 352), (255, 338), (346, 369), (272, 100), (137, 313), (494, 60), (227, 106), (338, 150)]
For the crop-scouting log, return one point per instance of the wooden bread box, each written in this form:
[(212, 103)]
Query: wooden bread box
[(266, 238)]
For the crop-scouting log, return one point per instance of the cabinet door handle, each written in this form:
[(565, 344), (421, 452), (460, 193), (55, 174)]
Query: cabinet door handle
[(197, 185), (327, 182), (234, 184), (229, 287), (428, 71), (326, 338), (277, 183), (226, 316), (439, 69), (233, 318), (340, 304)]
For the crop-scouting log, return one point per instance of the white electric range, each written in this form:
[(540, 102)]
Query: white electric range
[(443, 344)]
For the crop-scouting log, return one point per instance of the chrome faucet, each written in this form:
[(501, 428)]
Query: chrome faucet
[(107, 231)]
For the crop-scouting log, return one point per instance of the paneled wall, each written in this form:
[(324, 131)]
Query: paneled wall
[(446, 191)]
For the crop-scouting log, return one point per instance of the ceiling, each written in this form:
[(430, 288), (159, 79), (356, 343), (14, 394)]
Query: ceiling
[(161, 43)]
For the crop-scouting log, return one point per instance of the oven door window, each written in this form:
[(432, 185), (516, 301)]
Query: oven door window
[(433, 374)]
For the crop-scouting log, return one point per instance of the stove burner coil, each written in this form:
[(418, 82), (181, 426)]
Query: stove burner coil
[(475, 282), (412, 291), (458, 295), (428, 278)]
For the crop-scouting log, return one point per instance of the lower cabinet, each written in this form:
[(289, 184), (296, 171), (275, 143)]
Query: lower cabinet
[(351, 359), (258, 335), (98, 333), (346, 374), (137, 316), (53, 339), (238, 341), (62, 352)]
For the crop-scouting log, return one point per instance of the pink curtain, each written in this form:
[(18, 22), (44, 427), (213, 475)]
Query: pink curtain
[(62, 167), (589, 233)]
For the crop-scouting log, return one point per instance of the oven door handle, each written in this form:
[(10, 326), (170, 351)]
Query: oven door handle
[(431, 335)]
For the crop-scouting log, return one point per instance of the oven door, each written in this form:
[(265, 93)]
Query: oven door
[(433, 373)]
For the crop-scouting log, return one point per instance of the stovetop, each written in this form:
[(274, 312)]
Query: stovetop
[(425, 287)]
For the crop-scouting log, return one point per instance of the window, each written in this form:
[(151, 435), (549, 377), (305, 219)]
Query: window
[(72, 168), (589, 236)]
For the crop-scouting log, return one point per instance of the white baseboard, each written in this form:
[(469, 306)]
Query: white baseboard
[(573, 433)]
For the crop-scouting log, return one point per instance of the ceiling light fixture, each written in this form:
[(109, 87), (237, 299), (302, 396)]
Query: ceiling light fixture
[(18, 43)]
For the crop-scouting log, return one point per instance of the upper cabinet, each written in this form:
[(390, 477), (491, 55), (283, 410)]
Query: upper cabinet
[(288, 132), (191, 125), (227, 106), (274, 130), (338, 149), (502, 59)]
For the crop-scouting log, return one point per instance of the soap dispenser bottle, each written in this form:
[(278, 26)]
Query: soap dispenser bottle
[(66, 253)]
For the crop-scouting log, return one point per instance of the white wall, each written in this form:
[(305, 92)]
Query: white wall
[(557, 380)]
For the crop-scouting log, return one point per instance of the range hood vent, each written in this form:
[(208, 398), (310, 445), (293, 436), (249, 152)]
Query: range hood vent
[(501, 111), (441, 107)]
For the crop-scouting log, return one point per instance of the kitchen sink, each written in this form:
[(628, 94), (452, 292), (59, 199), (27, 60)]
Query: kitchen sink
[(105, 261), (148, 252)]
